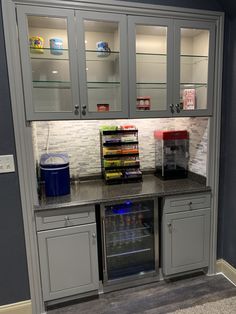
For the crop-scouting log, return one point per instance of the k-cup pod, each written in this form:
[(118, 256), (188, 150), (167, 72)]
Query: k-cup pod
[(56, 46)]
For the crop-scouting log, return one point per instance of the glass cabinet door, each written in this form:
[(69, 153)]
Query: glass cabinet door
[(150, 58), (194, 64), (48, 52), (103, 64)]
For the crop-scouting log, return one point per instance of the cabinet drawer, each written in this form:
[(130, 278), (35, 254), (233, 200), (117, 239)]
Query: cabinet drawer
[(187, 202), (65, 217)]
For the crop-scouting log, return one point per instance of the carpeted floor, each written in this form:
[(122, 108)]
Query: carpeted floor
[(161, 298), (225, 306)]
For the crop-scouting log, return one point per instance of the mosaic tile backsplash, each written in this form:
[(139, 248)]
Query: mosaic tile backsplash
[(81, 140)]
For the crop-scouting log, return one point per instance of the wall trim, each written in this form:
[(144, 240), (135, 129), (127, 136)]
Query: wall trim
[(23, 307), (223, 267)]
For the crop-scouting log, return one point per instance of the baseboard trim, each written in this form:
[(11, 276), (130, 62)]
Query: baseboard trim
[(227, 270), (23, 307)]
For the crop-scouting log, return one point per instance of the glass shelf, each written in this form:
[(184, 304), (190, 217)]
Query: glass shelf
[(193, 85), (150, 85), (103, 85), (100, 56), (151, 58), (49, 54), (187, 59), (194, 56), (52, 84)]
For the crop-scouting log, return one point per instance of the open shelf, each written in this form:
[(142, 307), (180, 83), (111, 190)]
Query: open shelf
[(119, 143), (114, 132)]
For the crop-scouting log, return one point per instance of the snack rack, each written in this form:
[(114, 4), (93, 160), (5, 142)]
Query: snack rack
[(120, 155)]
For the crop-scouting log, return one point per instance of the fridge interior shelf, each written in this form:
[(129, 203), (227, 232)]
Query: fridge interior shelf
[(129, 253), (130, 213)]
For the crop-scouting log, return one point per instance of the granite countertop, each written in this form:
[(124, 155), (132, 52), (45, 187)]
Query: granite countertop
[(96, 191)]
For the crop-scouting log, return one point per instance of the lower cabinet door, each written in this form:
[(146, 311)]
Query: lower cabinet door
[(186, 237), (68, 261)]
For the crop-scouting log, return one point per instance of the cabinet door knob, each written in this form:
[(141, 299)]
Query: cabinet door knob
[(172, 108), (94, 235), (190, 204), (67, 218), (169, 225), (84, 109), (76, 111), (177, 107)]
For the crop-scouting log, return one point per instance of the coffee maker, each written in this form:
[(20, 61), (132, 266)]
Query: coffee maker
[(171, 154)]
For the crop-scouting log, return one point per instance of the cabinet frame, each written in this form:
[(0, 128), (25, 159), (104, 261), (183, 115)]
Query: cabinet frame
[(23, 132)]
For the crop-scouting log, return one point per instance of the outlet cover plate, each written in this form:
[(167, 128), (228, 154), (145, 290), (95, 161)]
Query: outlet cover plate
[(7, 164)]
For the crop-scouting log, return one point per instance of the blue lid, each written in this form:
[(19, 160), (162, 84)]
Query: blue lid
[(54, 159)]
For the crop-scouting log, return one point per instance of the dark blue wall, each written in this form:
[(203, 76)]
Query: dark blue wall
[(194, 4), (13, 268), (227, 207)]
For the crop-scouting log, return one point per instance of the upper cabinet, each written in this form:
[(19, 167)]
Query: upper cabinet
[(80, 64), (171, 73)]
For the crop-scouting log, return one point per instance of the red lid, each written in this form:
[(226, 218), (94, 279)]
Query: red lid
[(171, 135)]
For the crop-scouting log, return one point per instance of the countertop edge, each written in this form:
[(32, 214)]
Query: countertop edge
[(38, 208)]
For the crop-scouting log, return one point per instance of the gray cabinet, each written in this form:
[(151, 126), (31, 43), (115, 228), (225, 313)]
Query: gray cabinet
[(68, 258), (90, 65), (170, 72), (186, 234)]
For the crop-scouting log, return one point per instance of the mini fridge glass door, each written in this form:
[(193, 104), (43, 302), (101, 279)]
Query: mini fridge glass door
[(129, 239)]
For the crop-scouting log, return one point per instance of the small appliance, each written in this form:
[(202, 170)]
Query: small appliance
[(54, 172), (171, 154)]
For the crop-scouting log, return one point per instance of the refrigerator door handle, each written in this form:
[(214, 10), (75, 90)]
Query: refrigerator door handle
[(104, 244)]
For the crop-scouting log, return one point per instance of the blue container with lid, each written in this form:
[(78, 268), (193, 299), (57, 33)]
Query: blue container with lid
[(54, 172)]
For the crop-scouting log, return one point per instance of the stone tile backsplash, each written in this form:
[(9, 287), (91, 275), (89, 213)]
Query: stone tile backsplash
[(81, 140)]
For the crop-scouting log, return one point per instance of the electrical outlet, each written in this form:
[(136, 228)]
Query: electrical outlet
[(7, 163)]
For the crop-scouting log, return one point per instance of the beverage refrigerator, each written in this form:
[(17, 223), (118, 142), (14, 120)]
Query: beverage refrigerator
[(130, 241)]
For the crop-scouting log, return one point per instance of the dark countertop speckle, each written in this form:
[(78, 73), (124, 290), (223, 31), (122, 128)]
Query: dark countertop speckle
[(96, 191)]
